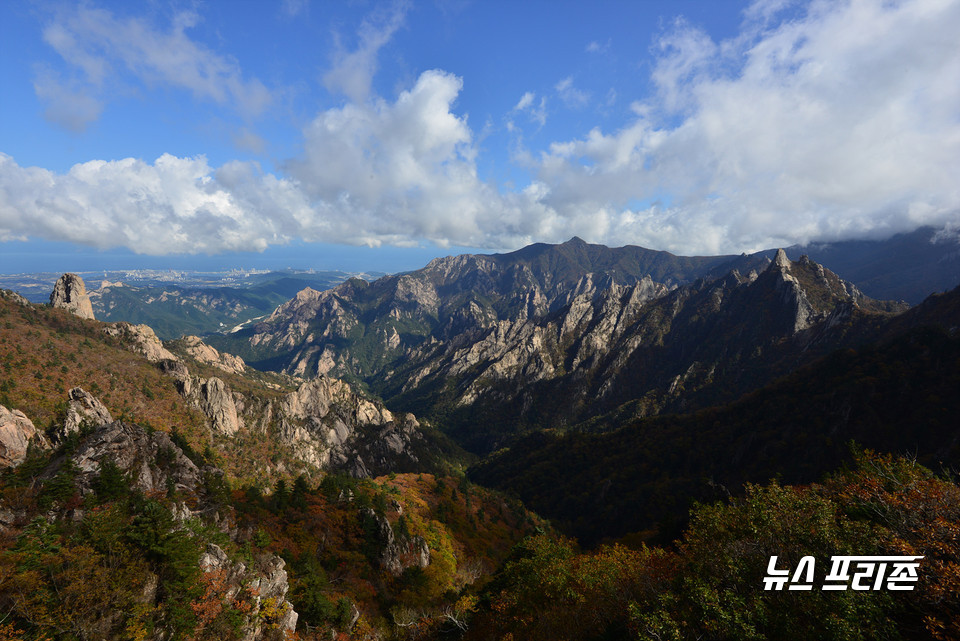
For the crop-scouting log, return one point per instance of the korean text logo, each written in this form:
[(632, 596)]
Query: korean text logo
[(847, 572)]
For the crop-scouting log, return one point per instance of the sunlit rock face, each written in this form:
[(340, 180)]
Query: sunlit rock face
[(70, 293)]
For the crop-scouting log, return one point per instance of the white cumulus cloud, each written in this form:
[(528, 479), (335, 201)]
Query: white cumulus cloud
[(172, 205), (840, 122)]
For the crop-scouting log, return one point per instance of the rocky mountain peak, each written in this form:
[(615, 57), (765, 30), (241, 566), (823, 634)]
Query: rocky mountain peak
[(70, 293), (307, 293), (781, 260)]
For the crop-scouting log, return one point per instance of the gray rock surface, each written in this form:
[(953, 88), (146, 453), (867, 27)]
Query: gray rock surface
[(322, 424), (397, 552), (13, 296), (217, 402), (83, 408), (328, 425), (150, 458), (70, 294), (204, 353), (142, 340)]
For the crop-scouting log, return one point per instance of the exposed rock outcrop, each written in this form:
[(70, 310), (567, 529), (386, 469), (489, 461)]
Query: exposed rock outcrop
[(322, 424), (328, 425), (199, 350), (70, 294), (263, 587), (142, 339), (83, 408), (17, 433), (397, 552), (216, 400), (155, 465), (13, 296), (153, 462)]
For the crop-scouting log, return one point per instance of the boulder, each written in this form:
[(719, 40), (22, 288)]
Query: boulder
[(17, 433)]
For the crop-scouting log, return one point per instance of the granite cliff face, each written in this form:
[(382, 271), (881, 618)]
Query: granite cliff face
[(542, 342), (363, 331), (336, 429), (322, 424), (70, 294)]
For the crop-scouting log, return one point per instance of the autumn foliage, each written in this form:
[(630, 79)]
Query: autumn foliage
[(710, 586)]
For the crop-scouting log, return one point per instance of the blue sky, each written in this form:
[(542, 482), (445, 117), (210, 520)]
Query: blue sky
[(242, 132)]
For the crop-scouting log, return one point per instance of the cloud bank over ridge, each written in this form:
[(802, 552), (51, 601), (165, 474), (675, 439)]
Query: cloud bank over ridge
[(842, 121)]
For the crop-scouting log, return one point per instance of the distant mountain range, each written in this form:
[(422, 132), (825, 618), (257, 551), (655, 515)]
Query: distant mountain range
[(174, 310), (591, 351), (907, 267)]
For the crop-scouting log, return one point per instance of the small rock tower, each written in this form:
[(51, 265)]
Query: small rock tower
[(71, 294)]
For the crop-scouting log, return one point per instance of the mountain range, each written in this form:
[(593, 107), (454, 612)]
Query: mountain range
[(553, 336), (365, 455)]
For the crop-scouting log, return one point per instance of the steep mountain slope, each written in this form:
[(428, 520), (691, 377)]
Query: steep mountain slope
[(127, 532), (899, 395), (638, 350), (117, 518), (215, 403)]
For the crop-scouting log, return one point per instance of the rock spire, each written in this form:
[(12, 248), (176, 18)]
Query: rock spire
[(70, 294)]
